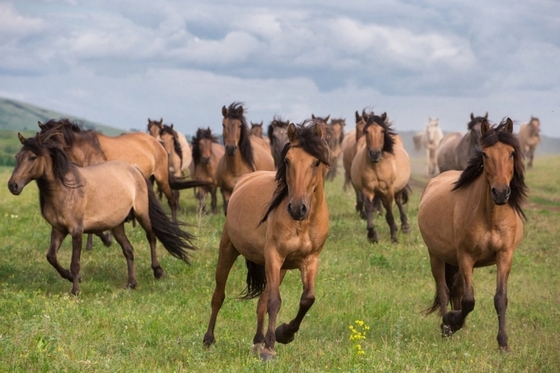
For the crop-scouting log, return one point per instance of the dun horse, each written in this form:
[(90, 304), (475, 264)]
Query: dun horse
[(243, 153), (178, 150), (455, 148), (277, 221), (381, 169), (335, 136), (93, 199), (529, 137), (429, 139), (206, 153), (257, 129), (473, 219)]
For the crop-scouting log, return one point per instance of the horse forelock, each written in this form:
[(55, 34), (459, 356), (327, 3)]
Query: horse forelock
[(201, 134), (388, 135)]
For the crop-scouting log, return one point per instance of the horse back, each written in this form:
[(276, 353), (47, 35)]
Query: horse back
[(446, 156), (262, 155)]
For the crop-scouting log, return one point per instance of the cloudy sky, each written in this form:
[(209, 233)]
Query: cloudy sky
[(121, 62)]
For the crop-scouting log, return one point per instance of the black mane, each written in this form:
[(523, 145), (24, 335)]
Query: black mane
[(389, 133), (312, 144), (70, 131), (245, 147), (176, 146), (201, 133), (475, 168)]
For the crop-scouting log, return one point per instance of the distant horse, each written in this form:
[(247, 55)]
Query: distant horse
[(277, 221), (243, 152), (429, 139), (206, 153), (529, 137), (473, 219), (381, 168), (455, 149), (155, 127), (336, 136), (178, 150), (76, 200), (257, 129), (278, 137), (349, 150)]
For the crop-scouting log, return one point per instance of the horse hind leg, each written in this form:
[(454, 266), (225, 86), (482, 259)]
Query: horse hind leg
[(56, 240), (455, 319), (128, 253), (400, 200)]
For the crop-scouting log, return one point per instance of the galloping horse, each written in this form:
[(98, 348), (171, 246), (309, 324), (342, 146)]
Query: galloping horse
[(76, 200), (429, 139), (381, 168), (529, 137), (336, 136), (206, 153), (278, 137), (473, 219), (455, 149), (349, 150), (277, 221), (243, 153), (176, 145)]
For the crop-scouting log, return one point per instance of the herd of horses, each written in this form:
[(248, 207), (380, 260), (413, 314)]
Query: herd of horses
[(276, 215)]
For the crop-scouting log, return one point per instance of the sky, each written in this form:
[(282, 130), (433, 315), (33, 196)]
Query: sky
[(119, 63)]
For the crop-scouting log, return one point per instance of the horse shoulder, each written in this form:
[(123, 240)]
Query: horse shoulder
[(402, 168), (263, 158)]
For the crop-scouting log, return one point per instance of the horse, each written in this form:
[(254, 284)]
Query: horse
[(243, 152), (206, 153), (473, 219), (154, 127), (529, 137), (455, 149), (257, 129), (278, 137), (349, 149), (381, 169), (277, 221), (429, 139), (178, 147), (76, 200), (336, 136)]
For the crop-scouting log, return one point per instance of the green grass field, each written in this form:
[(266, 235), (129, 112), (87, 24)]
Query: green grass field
[(368, 315)]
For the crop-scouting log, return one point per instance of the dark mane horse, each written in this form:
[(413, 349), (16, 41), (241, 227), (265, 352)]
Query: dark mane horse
[(335, 138), (278, 137)]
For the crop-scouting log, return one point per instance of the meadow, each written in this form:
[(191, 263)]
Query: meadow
[(368, 315)]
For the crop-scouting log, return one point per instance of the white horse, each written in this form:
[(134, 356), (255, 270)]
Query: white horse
[(429, 138)]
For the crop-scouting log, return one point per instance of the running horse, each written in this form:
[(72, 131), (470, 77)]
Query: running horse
[(381, 170), (473, 219), (278, 137), (529, 137), (206, 154), (336, 136), (243, 153), (277, 221), (455, 149), (257, 129), (178, 150), (76, 200), (429, 139)]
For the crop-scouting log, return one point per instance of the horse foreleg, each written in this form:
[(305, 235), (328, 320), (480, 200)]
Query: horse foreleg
[(405, 227), (285, 332), (214, 200), (273, 263), (456, 318), (262, 304), (56, 240), (372, 235), (389, 217), (75, 263), (503, 264), (128, 253)]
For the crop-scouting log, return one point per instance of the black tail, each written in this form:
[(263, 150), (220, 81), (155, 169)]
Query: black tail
[(181, 183), (450, 272), (256, 280), (405, 193), (174, 239)]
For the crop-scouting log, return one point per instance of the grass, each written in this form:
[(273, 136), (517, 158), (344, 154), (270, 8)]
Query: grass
[(367, 316)]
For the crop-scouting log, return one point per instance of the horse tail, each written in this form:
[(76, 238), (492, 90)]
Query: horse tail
[(174, 239), (406, 192), (450, 272), (178, 183), (256, 280)]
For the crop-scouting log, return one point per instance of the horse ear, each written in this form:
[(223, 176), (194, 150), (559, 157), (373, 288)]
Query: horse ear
[(171, 126), (161, 121), (327, 118), (484, 126), (509, 126), (486, 116), (224, 111), (292, 132), (21, 138), (472, 116), (41, 125), (384, 116), (358, 117), (312, 116)]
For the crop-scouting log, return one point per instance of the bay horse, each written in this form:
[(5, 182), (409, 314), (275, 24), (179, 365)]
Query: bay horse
[(76, 200), (336, 136), (243, 153), (206, 154), (277, 221), (455, 148), (529, 137), (278, 137), (473, 219), (381, 169), (429, 139)]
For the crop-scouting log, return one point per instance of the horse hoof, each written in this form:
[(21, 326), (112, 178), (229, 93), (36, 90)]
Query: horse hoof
[(158, 272), (283, 335), (372, 236), (257, 348), (406, 228), (208, 340), (266, 354), (446, 330), (131, 285)]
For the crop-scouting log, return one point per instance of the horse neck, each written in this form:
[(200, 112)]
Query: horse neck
[(52, 192), (236, 163)]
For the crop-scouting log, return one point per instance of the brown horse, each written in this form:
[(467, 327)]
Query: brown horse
[(243, 152), (381, 168), (277, 221), (336, 136), (529, 137), (455, 148), (76, 200), (155, 127), (257, 129), (473, 219), (278, 137), (206, 154)]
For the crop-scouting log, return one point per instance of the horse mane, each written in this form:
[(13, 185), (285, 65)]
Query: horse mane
[(176, 146), (474, 121), (245, 147), (388, 141), (201, 133), (70, 130), (475, 167), (312, 144)]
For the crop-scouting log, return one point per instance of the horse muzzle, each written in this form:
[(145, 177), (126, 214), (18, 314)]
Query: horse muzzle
[(298, 211), (500, 197), (374, 155), (231, 149), (205, 160), (15, 188)]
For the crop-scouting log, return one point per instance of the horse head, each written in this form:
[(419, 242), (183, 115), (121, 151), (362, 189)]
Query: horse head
[(378, 136)]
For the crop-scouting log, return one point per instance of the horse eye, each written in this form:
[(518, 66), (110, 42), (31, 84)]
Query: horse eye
[(316, 163), (286, 161), (484, 156), (33, 157), (512, 154)]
